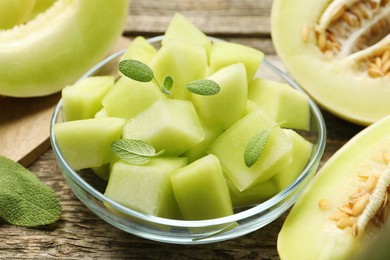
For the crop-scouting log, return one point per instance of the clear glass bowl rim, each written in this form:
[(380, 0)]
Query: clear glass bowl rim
[(197, 223)]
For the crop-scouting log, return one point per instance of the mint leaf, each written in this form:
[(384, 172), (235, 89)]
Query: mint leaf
[(136, 70), (204, 87), (134, 151), (256, 146), (167, 85), (24, 199)]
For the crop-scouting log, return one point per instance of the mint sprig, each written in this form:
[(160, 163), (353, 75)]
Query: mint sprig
[(134, 151), (24, 199), (141, 72)]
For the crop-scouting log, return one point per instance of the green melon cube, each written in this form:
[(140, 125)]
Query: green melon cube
[(301, 153), (200, 150), (250, 106), (101, 113), (180, 28), (146, 188), (253, 195), (230, 147), (225, 53), (282, 102), (183, 62), (82, 100), (140, 49), (169, 124), (229, 105), (201, 191), (128, 97), (87, 143)]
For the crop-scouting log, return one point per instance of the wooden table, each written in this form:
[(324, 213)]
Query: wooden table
[(80, 234)]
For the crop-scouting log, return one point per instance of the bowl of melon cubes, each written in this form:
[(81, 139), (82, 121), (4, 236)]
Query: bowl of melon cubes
[(195, 140)]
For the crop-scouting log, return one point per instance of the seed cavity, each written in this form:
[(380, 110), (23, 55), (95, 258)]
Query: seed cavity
[(356, 30), (370, 200)]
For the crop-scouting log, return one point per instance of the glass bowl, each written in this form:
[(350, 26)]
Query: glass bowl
[(90, 191)]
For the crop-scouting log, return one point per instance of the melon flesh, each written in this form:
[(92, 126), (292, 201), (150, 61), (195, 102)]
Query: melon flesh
[(82, 100), (127, 98), (87, 143), (229, 104), (201, 190), (169, 124), (301, 153), (140, 49), (230, 147), (282, 102), (146, 188)]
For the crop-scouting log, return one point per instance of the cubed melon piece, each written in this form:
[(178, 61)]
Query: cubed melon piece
[(200, 150), (250, 106), (82, 100), (230, 146), (201, 191), (229, 105), (87, 143), (225, 53), (146, 188), (301, 153), (253, 195), (102, 113), (284, 103), (181, 29), (128, 97), (183, 62), (102, 171), (140, 49), (169, 124)]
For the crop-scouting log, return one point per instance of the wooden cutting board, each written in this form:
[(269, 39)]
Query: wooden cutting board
[(25, 122)]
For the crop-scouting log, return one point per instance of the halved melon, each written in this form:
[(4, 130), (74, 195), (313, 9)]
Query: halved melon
[(345, 206), (58, 46), (339, 51)]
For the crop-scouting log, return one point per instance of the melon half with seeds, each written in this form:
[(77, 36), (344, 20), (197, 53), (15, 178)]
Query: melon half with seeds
[(346, 205), (58, 46), (339, 51)]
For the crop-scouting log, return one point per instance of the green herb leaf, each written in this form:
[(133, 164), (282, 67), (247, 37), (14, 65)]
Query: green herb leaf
[(256, 146), (24, 199), (134, 151), (167, 85), (136, 70), (204, 87)]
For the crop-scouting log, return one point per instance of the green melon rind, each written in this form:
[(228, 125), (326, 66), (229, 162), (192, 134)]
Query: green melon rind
[(59, 46), (319, 238), (334, 85)]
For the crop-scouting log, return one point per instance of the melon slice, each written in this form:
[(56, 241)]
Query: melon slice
[(146, 188), (201, 190), (140, 49), (87, 143), (301, 153), (82, 100), (15, 12), (181, 29), (282, 102), (128, 97), (58, 46), (338, 51), (226, 53), (169, 124), (229, 105), (183, 62), (230, 147)]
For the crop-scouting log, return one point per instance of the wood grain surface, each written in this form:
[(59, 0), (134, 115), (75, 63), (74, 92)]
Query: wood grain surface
[(79, 234)]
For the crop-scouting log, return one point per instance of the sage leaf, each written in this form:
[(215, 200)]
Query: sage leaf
[(167, 85), (134, 151), (256, 146), (136, 70), (204, 87), (24, 199)]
